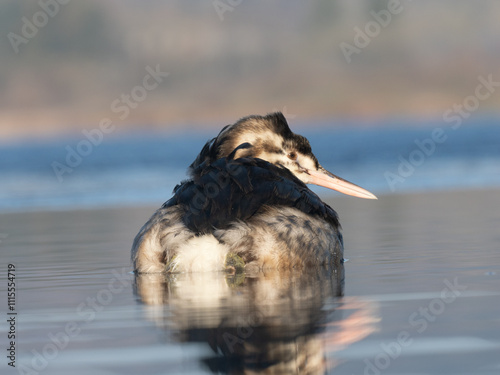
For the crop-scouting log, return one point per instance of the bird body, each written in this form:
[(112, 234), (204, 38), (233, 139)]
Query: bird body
[(246, 206)]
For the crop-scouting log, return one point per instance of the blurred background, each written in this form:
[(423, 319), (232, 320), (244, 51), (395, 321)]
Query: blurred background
[(104, 104), (82, 125)]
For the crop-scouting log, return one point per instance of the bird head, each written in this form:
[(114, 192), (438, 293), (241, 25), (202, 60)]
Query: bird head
[(270, 138)]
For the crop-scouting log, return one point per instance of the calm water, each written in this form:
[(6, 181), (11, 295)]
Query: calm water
[(138, 169), (420, 293)]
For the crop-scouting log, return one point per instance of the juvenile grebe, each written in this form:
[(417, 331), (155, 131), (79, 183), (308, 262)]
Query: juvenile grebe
[(247, 206)]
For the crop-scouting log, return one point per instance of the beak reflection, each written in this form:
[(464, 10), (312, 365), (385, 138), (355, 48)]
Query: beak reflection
[(269, 323)]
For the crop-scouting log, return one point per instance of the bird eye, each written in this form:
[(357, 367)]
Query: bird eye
[(292, 155)]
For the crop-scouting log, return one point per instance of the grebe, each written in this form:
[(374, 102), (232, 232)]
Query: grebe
[(246, 206)]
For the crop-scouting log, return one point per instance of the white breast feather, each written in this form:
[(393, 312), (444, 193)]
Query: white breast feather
[(200, 254)]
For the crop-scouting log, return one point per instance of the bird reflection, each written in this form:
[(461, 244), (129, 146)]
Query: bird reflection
[(277, 322)]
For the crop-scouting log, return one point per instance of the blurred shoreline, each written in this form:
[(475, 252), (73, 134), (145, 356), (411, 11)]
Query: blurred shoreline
[(91, 60), (51, 125)]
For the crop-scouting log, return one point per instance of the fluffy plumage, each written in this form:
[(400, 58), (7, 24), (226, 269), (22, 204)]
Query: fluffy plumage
[(245, 200)]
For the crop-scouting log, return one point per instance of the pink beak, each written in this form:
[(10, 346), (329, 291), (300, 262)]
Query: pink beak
[(330, 181)]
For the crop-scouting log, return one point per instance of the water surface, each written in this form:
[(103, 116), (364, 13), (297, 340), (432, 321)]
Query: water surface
[(139, 169), (419, 295)]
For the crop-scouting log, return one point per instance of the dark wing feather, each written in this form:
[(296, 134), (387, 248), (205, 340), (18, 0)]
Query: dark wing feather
[(209, 152), (227, 190)]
